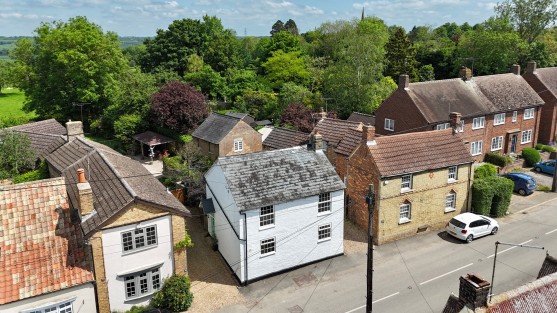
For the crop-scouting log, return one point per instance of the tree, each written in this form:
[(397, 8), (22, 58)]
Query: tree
[(6, 77), (297, 115), (259, 103), (529, 17), (208, 81), (278, 26), (291, 27), (68, 63), (401, 55), (179, 106), (426, 73), (284, 67), (16, 154)]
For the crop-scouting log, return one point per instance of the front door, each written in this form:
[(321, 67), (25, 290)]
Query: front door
[(513, 144)]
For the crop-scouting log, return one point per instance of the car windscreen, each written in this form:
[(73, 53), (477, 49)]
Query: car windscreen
[(457, 223)]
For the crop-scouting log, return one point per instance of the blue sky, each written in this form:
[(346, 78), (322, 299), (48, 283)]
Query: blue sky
[(251, 17)]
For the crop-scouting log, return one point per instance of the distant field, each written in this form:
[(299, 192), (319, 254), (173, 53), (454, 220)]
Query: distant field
[(11, 104)]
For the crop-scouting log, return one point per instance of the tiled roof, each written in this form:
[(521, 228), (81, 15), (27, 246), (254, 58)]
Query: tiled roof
[(350, 142), (508, 91), (116, 181), (278, 176), (417, 152), (215, 127), (152, 139), (537, 296), (243, 116), (454, 305), (333, 130), (365, 119), (548, 76), (40, 248), (50, 126), (280, 138), (549, 266)]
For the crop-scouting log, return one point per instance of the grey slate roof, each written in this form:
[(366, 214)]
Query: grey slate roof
[(281, 138), (50, 126), (508, 91), (243, 116), (215, 127), (277, 176), (116, 181), (549, 266), (365, 119), (46, 136)]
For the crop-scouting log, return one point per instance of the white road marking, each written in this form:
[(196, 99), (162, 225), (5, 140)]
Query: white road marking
[(523, 243), (550, 232), (434, 278), (363, 306)]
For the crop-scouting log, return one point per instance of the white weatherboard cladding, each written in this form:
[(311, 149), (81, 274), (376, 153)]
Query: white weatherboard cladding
[(84, 300), (295, 232), (230, 247), (116, 261)]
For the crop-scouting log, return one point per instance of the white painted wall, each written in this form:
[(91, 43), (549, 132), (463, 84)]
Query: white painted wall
[(295, 232), (115, 261), (84, 300)]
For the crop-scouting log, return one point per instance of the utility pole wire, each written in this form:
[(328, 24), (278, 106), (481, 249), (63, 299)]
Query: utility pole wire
[(370, 200), (80, 105)]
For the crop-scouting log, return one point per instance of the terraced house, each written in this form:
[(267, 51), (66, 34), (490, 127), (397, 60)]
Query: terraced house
[(499, 113), (544, 82)]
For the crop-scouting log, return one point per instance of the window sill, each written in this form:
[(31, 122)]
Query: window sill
[(449, 210), (496, 149), (141, 296), (140, 249), (478, 128), (452, 181), (475, 154), (404, 221), (267, 254), (324, 213), (498, 124), (405, 190), (528, 118), (266, 227), (324, 239)]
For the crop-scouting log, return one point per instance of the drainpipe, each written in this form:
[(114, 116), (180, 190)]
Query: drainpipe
[(245, 248), (470, 178)]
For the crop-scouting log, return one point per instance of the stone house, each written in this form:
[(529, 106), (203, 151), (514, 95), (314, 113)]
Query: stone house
[(46, 136), (129, 219), (273, 211), (421, 180), (44, 267), (544, 82), (499, 113), (222, 135)]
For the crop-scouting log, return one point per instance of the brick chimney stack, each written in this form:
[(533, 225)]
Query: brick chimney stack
[(74, 129), (515, 69), (454, 118), (474, 291), (531, 67), (465, 73), (85, 194), (403, 82), (368, 133)]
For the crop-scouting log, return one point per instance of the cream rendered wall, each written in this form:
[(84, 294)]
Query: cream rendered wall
[(116, 262), (84, 300)]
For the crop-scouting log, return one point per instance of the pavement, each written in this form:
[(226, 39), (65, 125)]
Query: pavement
[(522, 204), (154, 167)]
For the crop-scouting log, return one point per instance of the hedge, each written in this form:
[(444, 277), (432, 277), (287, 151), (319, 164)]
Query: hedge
[(531, 156), (497, 159), (548, 149), (492, 195), (539, 146), (485, 170), (175, 294)]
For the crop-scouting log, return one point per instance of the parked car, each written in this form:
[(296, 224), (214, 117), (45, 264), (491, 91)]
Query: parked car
[(469, 226), (547, 167), (524, 184)]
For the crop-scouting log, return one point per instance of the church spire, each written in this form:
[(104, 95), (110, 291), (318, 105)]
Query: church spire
[(362, 13)]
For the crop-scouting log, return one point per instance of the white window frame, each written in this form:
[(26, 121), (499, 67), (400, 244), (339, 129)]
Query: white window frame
[(499, 119), (406, 183), (65, 306), (442, 126), (515, 115), (478, 122), (405, 213), (266, 217), (135, 280), (453, 173), (461, 126), (496, 143), (268, 246), (476, 147), (389, 124), (450, 202), (526, 136), (324, 232), (324, 204), (529, 113), (238, 144), (137, 235)]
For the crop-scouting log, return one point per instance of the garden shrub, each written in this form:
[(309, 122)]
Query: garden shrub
[(175, 294), (497, 159), (492, 195), (531, 156), (37, 174), (548, 149), (539, 146), (485, 170), (543, 188)]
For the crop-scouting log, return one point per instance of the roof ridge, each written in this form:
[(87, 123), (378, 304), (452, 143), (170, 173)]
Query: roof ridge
[(370, 115)]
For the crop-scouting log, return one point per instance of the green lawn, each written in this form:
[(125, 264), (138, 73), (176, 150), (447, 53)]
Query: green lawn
[(11, 104)]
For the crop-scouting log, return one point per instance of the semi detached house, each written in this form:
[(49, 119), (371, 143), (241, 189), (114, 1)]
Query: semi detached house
[(275, 210)]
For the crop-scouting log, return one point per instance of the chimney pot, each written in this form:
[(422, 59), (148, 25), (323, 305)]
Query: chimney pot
[(531, 67), (81, 175), (403, 82), (515, 69), (368, 133), (465, 73)]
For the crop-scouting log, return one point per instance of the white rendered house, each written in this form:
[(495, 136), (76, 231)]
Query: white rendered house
[(275, 210)]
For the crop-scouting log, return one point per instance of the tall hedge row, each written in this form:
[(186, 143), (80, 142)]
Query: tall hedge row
[(488, 191), (531, 156)]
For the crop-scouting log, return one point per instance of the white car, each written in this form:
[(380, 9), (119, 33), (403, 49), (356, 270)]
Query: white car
[(468, 226)]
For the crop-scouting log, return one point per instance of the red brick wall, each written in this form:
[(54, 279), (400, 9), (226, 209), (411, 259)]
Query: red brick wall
[(548, 118), (399, 107)]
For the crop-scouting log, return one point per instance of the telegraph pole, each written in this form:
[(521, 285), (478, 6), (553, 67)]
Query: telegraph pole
[(370, 200), (80, 105), (553, 156)]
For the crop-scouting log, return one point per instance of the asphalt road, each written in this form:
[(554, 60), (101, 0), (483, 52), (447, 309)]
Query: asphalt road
[(411, 275)]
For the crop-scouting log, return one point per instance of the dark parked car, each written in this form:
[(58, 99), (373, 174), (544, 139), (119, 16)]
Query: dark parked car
[(547, 167), (524, 184)]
